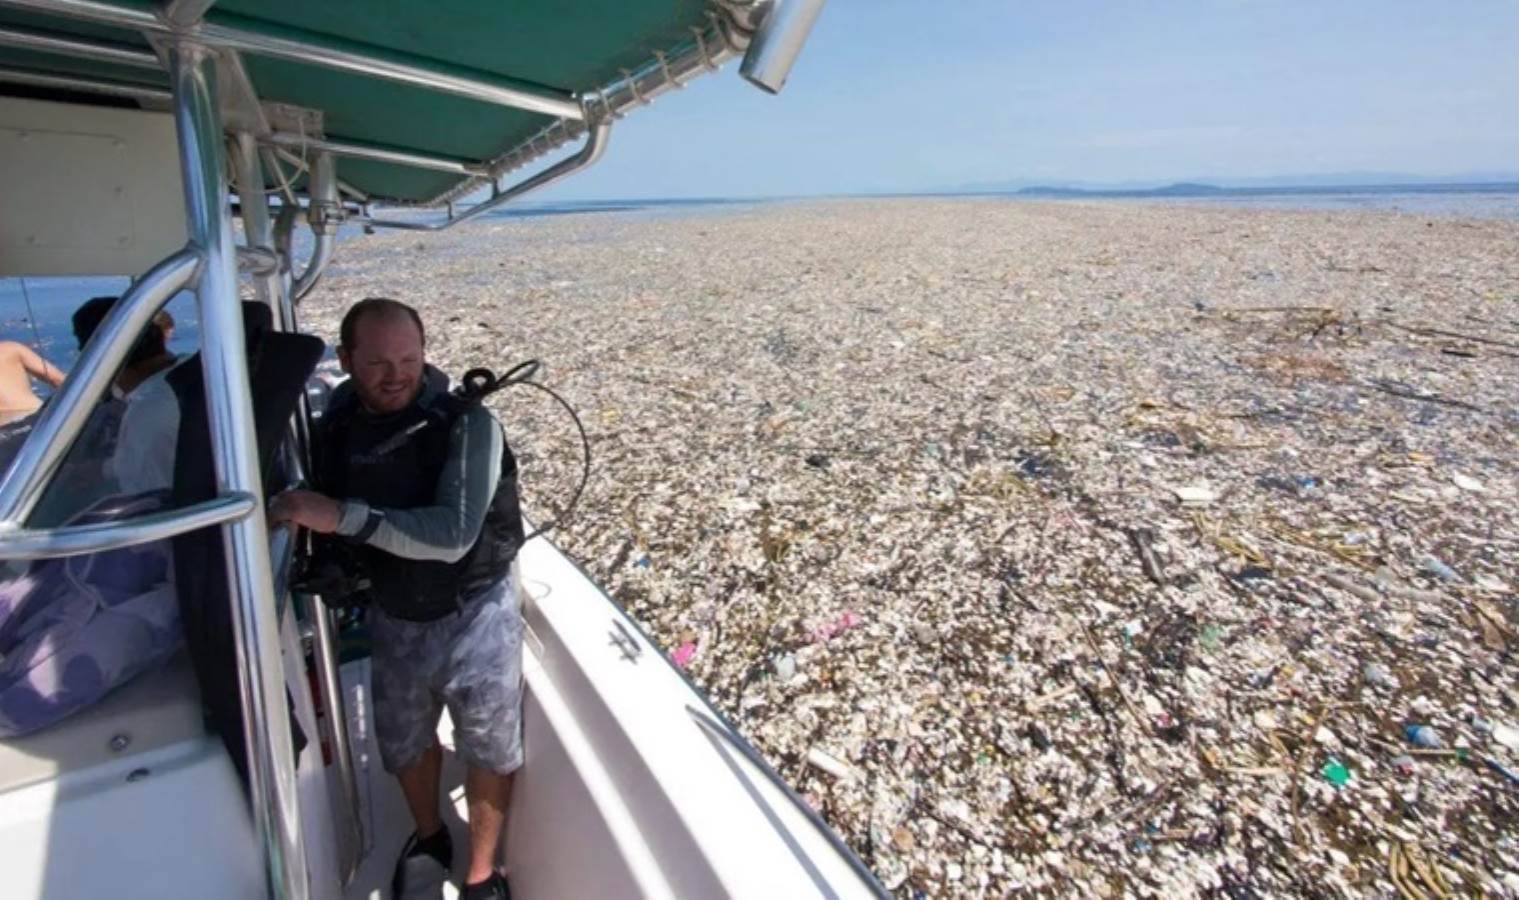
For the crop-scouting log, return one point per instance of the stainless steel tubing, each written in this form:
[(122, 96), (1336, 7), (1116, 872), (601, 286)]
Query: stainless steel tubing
[(257, 230), (84, 85), (323, 210), (377, 154), (72, 540), (475, 86), (62, 419), (595, 145), (94, 11), (271, 760), (325, 653), (349, 826), (257, 261), (281, 557), (64, 45), (312, 51), (778, 42), (321, 254), (183, 13)]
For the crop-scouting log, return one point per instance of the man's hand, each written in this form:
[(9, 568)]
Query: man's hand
[(307, 509)]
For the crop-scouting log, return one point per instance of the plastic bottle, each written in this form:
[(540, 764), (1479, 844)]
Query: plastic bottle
[(1377, 675), (1423, 736)]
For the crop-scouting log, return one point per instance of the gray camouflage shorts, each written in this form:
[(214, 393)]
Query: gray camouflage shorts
[(469, 662)]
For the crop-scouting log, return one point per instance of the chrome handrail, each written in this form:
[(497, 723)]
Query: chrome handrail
[(323, 209), (65, 415), (324, 653), (146, 95), (229, 412), (98, 537), (311, 49), (66, 45), (281, 558), (258, 232), (372, 153), (595, 145)]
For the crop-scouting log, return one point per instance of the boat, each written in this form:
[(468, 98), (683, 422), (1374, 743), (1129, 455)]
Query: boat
[(210, 146)]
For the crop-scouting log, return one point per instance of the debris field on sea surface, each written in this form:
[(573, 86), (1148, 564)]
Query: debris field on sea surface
[(1098, 549)]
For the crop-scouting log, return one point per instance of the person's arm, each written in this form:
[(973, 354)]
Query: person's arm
[(448, 528), (443, 531), (39, 368)]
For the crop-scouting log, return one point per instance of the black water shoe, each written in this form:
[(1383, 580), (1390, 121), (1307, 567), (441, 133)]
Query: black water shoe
[(492, 888), (424, 865)]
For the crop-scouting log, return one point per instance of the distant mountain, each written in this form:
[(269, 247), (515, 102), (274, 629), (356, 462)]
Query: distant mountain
[(1195, 187), (1179, 189)]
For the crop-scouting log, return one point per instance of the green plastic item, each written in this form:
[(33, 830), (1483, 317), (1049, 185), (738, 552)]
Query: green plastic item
[(1335, 773)]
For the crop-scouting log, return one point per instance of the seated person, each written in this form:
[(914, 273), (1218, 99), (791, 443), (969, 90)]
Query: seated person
[(165, 323), (88, 472), (149, 357), (18, 365), (150, 419)]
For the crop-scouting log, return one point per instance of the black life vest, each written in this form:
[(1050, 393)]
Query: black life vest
[(394, 462)]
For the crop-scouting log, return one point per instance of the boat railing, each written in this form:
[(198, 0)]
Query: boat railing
[(99, 537), (61, 420), (208, 265)]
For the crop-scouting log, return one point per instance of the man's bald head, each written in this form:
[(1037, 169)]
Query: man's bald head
[(375, 308)]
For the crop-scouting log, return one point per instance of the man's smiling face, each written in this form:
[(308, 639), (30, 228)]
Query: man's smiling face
[(385, 360)]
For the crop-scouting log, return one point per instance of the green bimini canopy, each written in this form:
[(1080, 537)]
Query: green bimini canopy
[(419, 103)]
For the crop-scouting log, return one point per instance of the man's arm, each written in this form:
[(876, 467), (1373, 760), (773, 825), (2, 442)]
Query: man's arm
[(39, 368), (448, 528)]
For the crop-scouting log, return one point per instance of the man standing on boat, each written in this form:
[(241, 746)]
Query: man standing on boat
[(423, 487)]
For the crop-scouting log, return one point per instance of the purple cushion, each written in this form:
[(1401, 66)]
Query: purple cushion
[(74, 629)]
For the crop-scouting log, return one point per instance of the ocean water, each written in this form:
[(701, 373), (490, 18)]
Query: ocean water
[(53, 301), (1468, 204), (1498, 201), (44, 324)]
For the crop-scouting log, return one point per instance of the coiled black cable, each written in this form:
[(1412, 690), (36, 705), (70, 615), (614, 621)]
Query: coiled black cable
[(477, 384)]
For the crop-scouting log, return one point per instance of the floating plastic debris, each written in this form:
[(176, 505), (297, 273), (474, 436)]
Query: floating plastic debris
[(834, 766), (1467, 483), (1053, 358), (1196, 495), (1335, 773), (1423, 736), (835, 627)]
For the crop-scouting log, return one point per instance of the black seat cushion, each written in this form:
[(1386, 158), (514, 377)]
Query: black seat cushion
[(279, 365)]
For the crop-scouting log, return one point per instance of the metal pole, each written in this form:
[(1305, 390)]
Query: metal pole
[(259, 232), (271, 756), (595, 145), (63, 418), (149, 95), (256, 228), (778, 42), (79, 47), (72, 540), (323, 212), (375, 154), (325, 654)]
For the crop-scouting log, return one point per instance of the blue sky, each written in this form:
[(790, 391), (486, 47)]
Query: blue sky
[(893, 95)]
